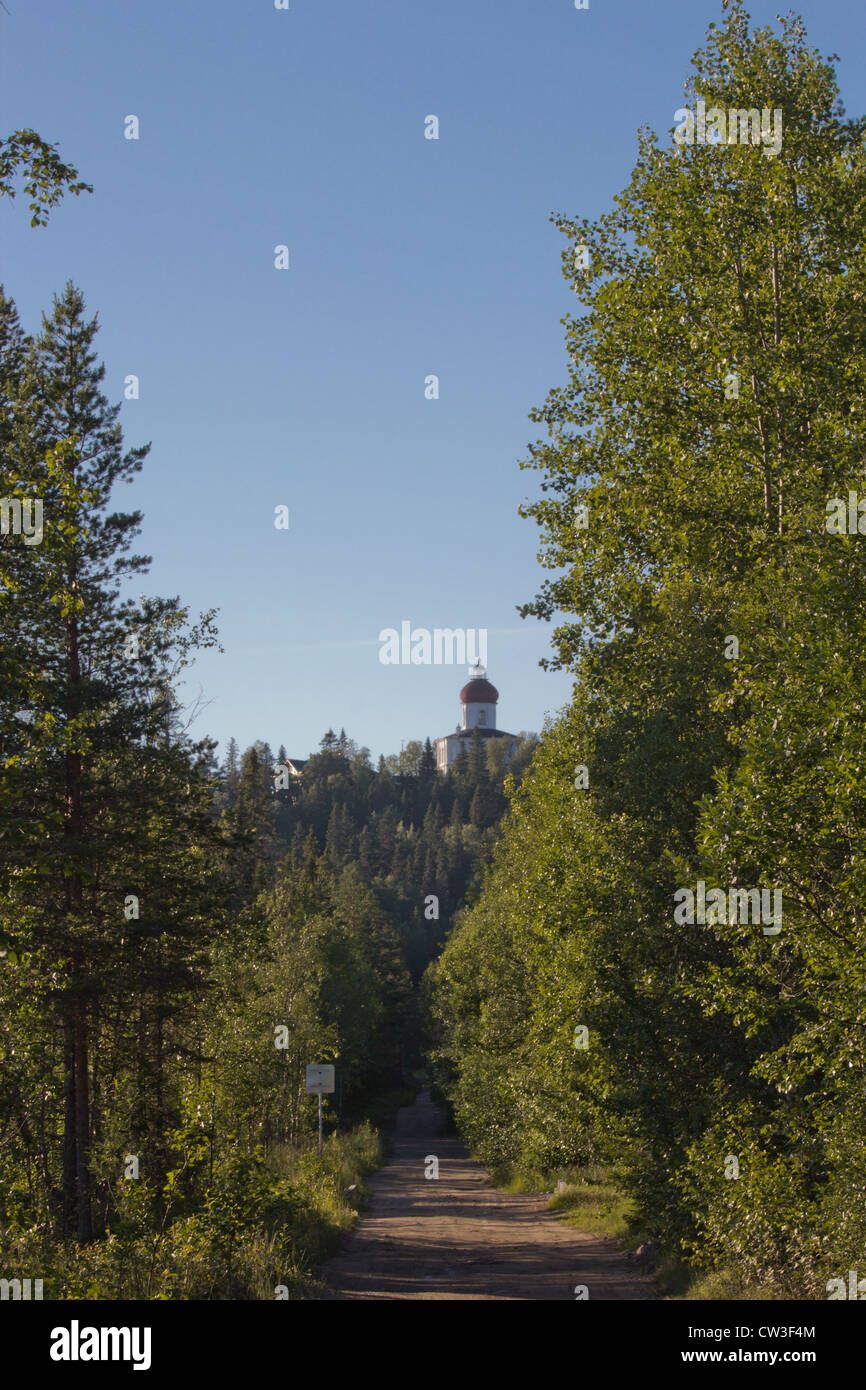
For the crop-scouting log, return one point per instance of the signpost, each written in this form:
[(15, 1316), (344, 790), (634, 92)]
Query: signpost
[(320, 1081)]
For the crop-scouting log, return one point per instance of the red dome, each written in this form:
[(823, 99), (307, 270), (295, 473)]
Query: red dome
[(479, 692)]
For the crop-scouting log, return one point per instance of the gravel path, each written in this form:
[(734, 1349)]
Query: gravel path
[(457, 1237)]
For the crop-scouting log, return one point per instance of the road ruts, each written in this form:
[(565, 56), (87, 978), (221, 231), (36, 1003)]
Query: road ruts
[(458, 1238)]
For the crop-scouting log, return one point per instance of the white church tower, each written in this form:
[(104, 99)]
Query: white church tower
[(478, 700)]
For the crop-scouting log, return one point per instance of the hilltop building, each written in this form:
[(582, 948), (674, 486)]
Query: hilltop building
[(478, 700)]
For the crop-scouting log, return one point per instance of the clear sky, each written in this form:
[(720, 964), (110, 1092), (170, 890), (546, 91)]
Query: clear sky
[(408, 257)]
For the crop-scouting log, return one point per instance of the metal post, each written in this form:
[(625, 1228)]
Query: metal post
[(320, 1121)]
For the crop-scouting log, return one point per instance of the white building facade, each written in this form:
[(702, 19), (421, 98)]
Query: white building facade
[(478, 700)]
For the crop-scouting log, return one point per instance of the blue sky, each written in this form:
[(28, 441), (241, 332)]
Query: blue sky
[(408, 257)]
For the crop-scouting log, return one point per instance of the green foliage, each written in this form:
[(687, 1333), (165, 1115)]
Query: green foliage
[(408, 831), (46, 177), (256, 1225), (706, 519), (154, 930)]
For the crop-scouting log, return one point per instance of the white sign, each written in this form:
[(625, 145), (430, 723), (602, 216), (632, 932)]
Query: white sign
[(320, 1078)]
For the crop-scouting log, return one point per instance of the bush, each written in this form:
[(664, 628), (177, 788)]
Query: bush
[(260, 1224)]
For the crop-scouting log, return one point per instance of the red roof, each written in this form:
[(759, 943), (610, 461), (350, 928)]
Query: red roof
[(479, 692)]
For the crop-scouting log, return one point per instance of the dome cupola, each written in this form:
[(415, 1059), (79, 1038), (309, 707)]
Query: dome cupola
[(478, 700)]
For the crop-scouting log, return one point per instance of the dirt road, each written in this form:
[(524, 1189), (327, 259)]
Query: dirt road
[(455, 1237)]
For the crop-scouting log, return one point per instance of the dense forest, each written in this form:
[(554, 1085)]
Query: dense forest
[(415, 837), (178, 940), (637, 946)]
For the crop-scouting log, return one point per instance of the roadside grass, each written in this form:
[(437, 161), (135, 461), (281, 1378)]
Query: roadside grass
[(258, 1230), (530, 1180), (591, 1201), (681, 1283)]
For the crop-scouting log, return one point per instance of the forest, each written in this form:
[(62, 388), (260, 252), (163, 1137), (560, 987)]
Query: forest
[(713, 612), (575, 944), (180, 939)]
